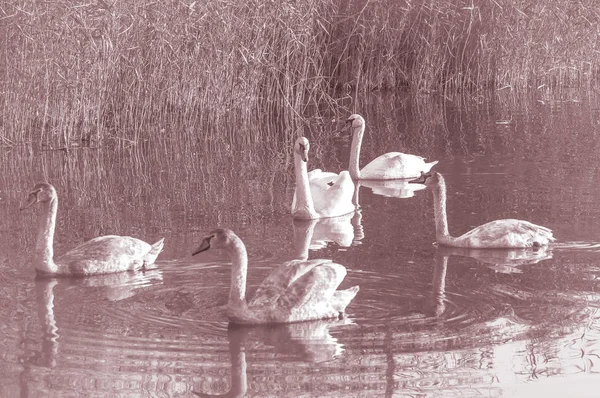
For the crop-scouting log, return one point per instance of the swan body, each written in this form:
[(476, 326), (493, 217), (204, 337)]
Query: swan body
[(389, 166), (498, 234), (101, 255), (296, 291), (319, 194)]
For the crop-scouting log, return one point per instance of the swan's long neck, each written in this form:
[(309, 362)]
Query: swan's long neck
[(44, 252), (303, 203), (357, 137), (439, 208), (239, 259), (303, 232)]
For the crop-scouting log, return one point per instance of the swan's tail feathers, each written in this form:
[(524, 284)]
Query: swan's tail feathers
[(341, 298), (428, 166), (155, 250)]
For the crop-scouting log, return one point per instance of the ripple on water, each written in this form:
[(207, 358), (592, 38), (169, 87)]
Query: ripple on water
[(423, 314)]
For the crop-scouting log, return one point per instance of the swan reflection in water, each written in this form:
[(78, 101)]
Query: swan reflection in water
[(115, 287), (504, 261), (500, 260), (402, 189), (344, 231), (303, 341)]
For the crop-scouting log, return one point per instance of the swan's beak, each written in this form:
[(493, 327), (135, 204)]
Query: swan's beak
[(421, 179), (204, 246), (31, 200)]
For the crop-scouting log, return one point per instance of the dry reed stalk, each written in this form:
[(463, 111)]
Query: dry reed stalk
[(77, 73)]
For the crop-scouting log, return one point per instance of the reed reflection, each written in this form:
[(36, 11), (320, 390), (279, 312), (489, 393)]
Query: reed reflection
[(305, 341)]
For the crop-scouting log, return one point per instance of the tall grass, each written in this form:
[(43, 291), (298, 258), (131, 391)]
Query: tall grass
[(82, 72)]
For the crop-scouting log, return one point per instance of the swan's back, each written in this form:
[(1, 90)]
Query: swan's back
[(396, 165), (280, 279), (334, 198), (506, 233), (108, 254), (300, 291)]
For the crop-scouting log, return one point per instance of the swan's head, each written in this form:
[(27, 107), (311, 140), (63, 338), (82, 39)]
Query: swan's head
[(301, 147), (429, 178), (40, 193), (219, 238), (356, 121)]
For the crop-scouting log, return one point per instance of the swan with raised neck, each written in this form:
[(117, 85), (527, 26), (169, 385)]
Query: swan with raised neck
[(389, 166), (296, 291), (101, 255), (319, 194)]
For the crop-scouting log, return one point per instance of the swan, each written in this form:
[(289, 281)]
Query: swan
[(296, 291), (498, 234), (319, 194), (389, 166), (101, 255)]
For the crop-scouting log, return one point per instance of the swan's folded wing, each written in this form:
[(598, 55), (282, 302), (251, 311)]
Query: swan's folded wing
[(314, 288), (281, 278), (319, 179), (336, 199), (105, 254), (396, 165)]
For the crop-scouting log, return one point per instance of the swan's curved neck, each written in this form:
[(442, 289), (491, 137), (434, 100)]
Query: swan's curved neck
[(357, 137), (439, 208), (303, 232), (44, 252), (239, 259), (303, 203)]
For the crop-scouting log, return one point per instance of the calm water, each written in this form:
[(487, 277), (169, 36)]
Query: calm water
[(426, 322)]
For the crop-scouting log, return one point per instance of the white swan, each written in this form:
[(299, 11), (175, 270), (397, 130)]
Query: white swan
[(499, 234), (296, 291), (319, 194), (389, 166), (101, 255)]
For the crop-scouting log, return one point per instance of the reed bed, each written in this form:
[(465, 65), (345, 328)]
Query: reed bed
[(81, 73)]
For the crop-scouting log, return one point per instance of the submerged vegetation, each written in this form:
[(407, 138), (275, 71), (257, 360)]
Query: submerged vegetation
[(129, 70)]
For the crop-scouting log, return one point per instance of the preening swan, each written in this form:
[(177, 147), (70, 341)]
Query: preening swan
[(319, 194), (389, 166), (296, 291), (499, 234), (101, 255)]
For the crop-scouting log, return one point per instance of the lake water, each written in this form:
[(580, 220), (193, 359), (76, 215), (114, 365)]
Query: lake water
[(426, 322)]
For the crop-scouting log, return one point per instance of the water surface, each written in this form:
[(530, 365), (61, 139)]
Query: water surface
[(427, 320)]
